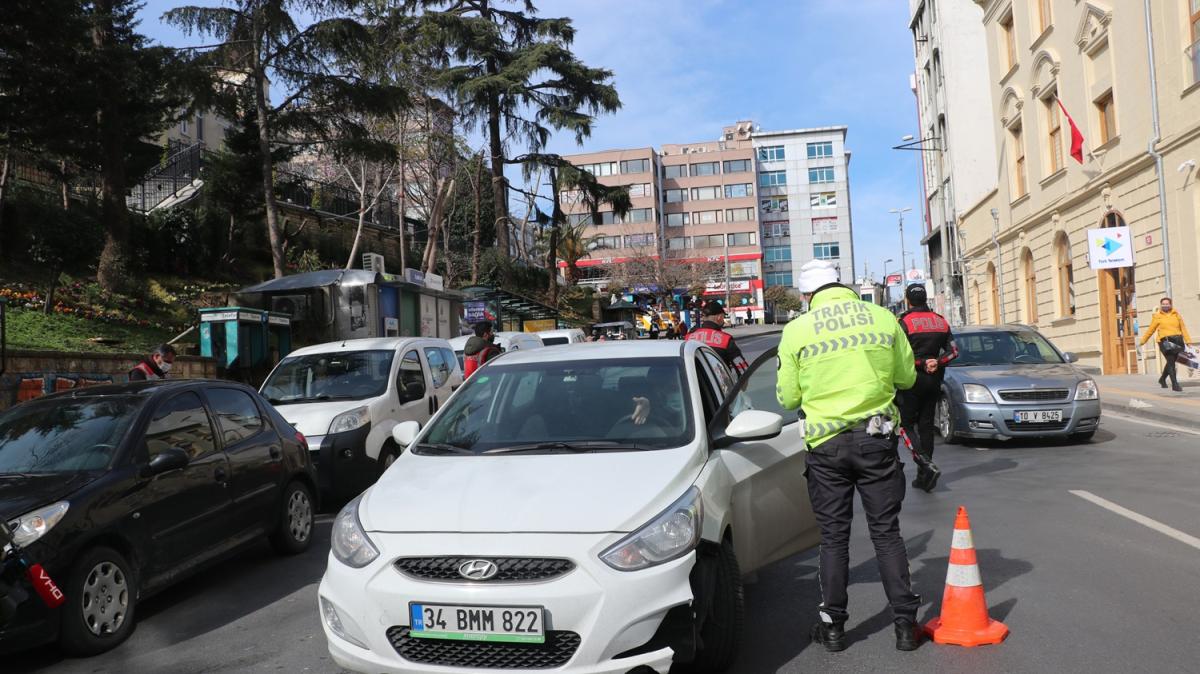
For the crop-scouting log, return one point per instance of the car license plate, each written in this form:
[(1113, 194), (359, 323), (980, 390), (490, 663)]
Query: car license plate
[(511, 624), (1038, 417)]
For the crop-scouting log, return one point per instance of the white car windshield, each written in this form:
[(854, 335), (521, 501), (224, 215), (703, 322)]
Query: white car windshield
[(554, 406), (346, 375), (1022, 347)]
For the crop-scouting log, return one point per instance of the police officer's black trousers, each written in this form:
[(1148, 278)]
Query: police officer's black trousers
[(836, 468), (917, 407)]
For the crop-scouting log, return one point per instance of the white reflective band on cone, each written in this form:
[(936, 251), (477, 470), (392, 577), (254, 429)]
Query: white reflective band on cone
[(963, 575), (962, 540)]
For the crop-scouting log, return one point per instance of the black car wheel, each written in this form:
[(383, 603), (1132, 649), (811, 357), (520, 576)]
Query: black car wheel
[(294, 533), (944, 420), (721, 633), (101, 601)]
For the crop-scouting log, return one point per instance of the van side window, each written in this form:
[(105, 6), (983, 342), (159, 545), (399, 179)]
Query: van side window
[(438, 367), (411, 383)]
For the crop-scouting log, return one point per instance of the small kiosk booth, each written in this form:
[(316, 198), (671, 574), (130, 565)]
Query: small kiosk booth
[(244, 341)]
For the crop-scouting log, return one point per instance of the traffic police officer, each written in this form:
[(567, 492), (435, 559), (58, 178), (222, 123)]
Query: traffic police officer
[(842, 363), (711, 332), (933, 348)]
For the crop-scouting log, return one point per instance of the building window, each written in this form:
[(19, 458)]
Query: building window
[(739, 190), (1193, 51), (635, 166), (738, 166), (676, 171), (739, 214), (771, 153), (1054, 134), (702, 193), (820, 150), (1045, 15), (709, 241), (676, 196), (609, 242), (706, 217), (774, 205), (640, 190), (638, 215), (1008, 38), (678, 219), (678, 243), (778, 278), (570, 198), (708, 168), (1066, 274), (777, 254), (777, 229), (200, 128), (639, 241), (1107, 115), (827, 251), (823, 174), (824, 225), (183, 126), (1031, 307), (601, 169), (743, 239), (772, 179), (823, 200), (1020, 180)]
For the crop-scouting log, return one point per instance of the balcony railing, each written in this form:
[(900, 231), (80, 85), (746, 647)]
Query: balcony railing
[(1193, 57)]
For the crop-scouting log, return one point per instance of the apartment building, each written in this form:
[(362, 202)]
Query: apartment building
[(750, 204), (804, 202), (954, 135), (1129, 74)]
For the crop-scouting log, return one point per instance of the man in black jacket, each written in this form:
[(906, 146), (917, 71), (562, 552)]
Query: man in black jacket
[(933, 348)]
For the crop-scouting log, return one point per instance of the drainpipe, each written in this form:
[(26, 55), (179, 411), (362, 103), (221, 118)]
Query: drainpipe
[(1158, 158), (999, 262)]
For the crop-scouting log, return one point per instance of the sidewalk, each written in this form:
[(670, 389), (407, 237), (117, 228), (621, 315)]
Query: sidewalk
[(1139, 395)]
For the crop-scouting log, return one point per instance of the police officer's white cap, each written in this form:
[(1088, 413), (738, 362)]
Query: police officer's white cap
[(817, 273)]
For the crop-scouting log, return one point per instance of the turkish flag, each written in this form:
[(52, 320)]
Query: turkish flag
[(1076, 135)]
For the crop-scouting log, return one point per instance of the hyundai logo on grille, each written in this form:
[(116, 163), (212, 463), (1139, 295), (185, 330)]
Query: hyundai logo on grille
[(477, 569)]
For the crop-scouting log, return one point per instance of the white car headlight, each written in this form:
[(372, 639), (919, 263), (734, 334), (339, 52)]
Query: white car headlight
[(669, 536), (33, 525), (976, 393), (351, 420), (348, 541), (1087, 390)]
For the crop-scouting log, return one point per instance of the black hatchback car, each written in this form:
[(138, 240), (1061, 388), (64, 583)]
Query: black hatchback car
[(120, 491)]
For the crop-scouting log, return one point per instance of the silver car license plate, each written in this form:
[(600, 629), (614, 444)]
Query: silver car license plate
[(1038, 417)]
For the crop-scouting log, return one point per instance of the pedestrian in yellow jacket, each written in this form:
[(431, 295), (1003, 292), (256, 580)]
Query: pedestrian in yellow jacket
[(1173, 337)]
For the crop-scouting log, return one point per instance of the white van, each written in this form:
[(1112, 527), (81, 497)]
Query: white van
[(345, 397), (507, 341), (559, 337)]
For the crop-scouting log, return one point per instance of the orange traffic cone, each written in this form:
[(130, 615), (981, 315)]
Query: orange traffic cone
[(964, 620)]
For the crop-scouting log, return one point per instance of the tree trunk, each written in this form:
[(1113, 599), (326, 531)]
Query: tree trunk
[(113, 269), (259, 82), (4, 164), (499, 184), (229, 256), (362, 217), (48, 305), (64, 185), (478, 178), (403, 122), (436, 223), (552, 254)]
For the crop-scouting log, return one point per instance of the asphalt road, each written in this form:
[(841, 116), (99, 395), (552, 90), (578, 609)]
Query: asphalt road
[(1083, 588)]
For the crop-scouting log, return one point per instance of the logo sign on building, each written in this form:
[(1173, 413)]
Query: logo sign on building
[(435, 281), (479, 310), (719, 287), (1110, 248), (915, 276), (894, 279), (749, 268)]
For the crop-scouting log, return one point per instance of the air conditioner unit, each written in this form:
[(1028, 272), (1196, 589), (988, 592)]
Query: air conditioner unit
[(373, 262)]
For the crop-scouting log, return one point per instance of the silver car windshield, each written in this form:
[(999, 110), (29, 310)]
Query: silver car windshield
[(1004, 347), (554, 406), (346, 375)]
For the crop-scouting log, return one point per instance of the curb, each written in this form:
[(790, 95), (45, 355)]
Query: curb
[(1124, 408)]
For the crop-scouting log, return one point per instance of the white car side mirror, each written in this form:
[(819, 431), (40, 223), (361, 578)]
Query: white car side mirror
[(405, 432), (755, 425)]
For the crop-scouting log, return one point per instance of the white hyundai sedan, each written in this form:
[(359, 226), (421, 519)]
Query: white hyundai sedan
[(588, 508)]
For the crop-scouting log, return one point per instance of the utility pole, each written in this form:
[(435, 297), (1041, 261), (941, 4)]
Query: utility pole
[(903, 251), (728, 294)]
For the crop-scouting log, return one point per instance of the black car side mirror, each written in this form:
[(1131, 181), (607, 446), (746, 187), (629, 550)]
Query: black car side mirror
[(172, 458)]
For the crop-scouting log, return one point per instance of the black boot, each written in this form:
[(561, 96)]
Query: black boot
[(1162, 381), (830, 635), (927, 477), (908, 635), (1177, 388)]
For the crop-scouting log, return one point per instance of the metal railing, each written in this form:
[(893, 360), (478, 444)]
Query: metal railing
[(180, 170), (333, 199)]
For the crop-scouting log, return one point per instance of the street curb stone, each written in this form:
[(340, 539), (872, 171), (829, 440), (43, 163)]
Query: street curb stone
[(1124, 408)]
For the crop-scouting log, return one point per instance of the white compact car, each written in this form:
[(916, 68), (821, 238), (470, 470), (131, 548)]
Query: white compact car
[(564, 336), (588, 508), (345, 397), (507, 341)]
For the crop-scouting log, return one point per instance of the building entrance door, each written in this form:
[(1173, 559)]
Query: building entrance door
[(1118, 312)]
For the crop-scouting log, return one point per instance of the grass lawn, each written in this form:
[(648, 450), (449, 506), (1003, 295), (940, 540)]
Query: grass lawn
[(31, 329)]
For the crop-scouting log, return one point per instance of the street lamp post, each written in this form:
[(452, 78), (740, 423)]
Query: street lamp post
[(887, 289), (903, 251)]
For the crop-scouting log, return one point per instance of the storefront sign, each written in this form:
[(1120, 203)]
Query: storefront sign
[(414, 276), (480, 310), (539, 325), (1110, 248), (894, 279), (435, 282)]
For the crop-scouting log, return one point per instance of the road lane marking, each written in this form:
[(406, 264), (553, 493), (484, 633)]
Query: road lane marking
[(1139, 518)]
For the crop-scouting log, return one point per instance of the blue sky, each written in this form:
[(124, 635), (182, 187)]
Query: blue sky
[(686, 68)]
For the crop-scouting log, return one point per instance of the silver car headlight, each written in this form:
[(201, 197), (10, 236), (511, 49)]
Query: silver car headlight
[(671, 535), (976, 393), (1087, 390), (350, 420), (348, 541), (33, 525)]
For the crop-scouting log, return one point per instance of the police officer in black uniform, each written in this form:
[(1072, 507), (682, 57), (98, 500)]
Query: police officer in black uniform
[(711, 331), (933, 349)]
